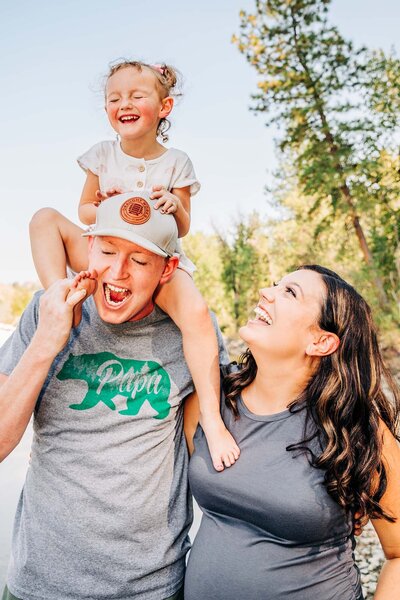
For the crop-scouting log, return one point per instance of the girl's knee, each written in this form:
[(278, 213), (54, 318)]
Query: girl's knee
[(43, 217)]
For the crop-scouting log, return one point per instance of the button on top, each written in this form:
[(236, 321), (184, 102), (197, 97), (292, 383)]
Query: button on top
[(140, 184), (141, 168)]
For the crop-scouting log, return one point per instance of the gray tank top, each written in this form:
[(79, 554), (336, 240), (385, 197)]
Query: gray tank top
[(269, 529)]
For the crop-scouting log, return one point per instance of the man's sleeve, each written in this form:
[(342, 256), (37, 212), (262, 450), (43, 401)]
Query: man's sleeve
[(14, 347), (223, 353)]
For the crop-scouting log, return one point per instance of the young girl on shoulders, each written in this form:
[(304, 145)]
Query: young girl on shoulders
[(138, 100)]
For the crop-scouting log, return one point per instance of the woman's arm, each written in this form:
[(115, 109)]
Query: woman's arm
[(388, 587), (191, 415), (87, 203)]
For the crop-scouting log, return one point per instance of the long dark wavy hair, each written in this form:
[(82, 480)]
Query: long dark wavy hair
[(345, 402)]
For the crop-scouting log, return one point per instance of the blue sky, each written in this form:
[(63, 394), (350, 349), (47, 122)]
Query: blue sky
[(54, 55)]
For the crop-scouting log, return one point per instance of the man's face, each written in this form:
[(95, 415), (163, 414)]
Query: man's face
[(128, 276)]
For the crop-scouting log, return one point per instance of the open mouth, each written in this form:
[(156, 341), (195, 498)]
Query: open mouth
[(262, 315), (115, 296), (128, 118)]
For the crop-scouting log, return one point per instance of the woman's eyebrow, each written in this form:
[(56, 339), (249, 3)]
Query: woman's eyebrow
[(293, 283)]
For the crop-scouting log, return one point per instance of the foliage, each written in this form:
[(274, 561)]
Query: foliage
[(244, 266), (337, 108), (203, 250), (13, 300), (231, 268)]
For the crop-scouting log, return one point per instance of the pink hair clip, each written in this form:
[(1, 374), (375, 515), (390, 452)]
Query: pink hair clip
[(159, 68)]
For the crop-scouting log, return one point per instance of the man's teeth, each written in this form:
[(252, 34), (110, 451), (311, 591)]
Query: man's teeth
[(262, 315), (115, 295)]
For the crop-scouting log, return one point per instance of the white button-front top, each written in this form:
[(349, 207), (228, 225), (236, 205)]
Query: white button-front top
[(115, 169)]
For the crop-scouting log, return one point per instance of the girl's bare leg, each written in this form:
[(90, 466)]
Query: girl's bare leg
[(56, 243), (182, 301)]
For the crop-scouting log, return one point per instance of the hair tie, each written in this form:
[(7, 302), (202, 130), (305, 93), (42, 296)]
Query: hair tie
[(159, 68)]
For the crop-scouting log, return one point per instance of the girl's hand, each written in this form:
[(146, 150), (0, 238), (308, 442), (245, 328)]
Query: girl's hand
[(169, 202), (101, 196)]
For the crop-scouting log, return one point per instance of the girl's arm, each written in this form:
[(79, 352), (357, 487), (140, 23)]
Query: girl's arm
[(191, 415), (87, 203), (176, 202), (389, 533)]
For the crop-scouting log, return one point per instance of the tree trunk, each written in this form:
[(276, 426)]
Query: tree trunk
[(344, 189)]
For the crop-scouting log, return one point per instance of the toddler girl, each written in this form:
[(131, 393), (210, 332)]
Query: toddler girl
[(138, 98)]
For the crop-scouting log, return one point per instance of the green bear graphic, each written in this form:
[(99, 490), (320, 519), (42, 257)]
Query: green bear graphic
[(108, 376)]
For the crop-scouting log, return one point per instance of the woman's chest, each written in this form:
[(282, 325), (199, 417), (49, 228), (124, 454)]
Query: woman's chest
[(269, 487)]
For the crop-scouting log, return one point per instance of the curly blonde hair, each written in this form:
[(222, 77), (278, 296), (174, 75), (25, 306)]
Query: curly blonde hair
[(167, 81)]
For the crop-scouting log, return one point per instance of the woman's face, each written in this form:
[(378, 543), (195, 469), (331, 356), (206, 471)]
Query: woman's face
[(287, 315)]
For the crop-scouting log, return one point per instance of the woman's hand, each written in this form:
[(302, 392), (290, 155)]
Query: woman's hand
[(169, 202)]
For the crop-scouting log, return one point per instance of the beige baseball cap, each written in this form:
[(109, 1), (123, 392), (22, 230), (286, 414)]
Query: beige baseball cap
[(131, 216)]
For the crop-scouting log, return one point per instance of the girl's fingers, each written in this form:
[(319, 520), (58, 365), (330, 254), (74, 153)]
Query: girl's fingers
[(156, 195), (161, 202), (169, 207)]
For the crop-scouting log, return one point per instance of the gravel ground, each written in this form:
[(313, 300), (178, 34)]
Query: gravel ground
[(369, 558)]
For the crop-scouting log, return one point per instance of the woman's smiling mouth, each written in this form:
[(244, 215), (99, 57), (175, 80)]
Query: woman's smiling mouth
[(262, 315)]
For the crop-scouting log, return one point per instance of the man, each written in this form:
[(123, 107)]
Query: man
[(105, 510)]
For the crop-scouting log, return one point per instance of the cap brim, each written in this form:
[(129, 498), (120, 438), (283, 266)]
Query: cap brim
[(130, 237)]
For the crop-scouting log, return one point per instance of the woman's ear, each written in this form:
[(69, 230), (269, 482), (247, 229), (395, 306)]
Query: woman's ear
[(325, 343)]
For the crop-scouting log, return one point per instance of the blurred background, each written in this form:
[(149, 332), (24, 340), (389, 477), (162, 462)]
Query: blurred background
[(296, 145)]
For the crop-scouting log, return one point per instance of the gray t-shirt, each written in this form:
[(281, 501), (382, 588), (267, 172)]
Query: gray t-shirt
[(105, 509), (269, 531)]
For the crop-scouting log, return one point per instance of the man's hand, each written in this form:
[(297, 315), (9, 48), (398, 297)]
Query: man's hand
[(169, 202), (55, 316)]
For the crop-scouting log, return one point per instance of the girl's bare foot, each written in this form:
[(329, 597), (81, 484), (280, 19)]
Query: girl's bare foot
[(85, 280), (223, 449)]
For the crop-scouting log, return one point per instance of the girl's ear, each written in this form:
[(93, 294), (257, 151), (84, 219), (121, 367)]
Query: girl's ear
[(167, 105), (324, 344)]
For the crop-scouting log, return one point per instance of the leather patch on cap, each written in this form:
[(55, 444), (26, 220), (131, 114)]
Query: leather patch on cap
[(135, 211)]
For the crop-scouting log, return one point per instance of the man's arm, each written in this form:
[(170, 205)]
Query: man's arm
[(191, 416), (19, 391)]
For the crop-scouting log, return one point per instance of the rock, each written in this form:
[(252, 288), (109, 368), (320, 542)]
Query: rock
[(369, 558)]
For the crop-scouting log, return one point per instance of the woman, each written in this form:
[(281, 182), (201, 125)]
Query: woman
[(318, 445)]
